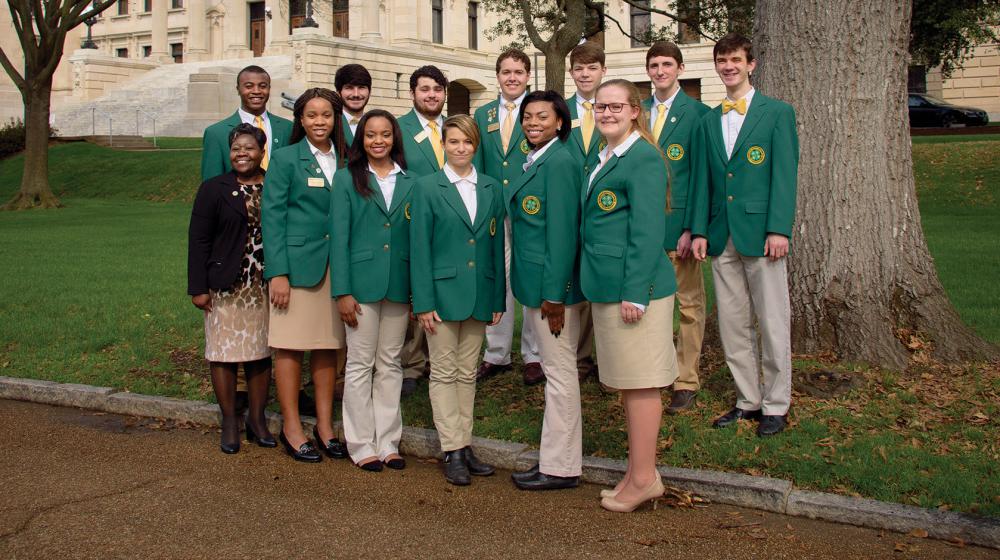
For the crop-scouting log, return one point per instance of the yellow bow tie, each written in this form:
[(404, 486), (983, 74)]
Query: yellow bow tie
[(740, 106)]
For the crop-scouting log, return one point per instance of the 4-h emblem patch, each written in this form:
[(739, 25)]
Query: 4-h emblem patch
[(675, 152), (491, 115), (524, 146), (755, 155), (406, 211), (493, 227), (607, 200), (602, 144), (531, 205)]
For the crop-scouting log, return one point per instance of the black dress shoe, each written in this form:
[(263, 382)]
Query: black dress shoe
[(542, 481), (372, 466), (682, 399), (334, 449), (455, 469), (230, 448), (266, 440), (396, 464), (475, 466), (735, 414), (533, 374), (771, 424), (230, 443), (307, 406), (530, 473), (305, 453), (488, 370)]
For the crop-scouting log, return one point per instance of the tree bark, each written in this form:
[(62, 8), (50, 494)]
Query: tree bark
[(555, 70), (863, 283), (35, 191)]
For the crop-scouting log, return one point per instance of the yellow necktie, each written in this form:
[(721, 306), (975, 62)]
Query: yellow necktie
[(353, 121), (661, 117), (436, 143), (588, 125), (508, 126), (258, 121), (740, 106)]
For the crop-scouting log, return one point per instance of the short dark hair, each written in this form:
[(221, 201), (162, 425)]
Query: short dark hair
[(357, 158), (558, 103), (352, 75), (664, 48), (252, 69), (732, 43), (432, 72), (587, 52), (249, 130), (516, 54)]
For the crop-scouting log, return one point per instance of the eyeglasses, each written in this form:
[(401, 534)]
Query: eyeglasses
[(613, 107)]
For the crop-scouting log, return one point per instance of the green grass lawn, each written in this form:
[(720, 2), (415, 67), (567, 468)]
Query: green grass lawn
[(95, 294)]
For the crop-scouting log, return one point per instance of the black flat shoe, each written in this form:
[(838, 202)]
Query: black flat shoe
[(396, 464), (526, 475), (262, 441), (475, 466), (230, 449), (334, 449), (455, 469), (371, 466), (542, 481), (305, 453), (771, 425), (731, 417)]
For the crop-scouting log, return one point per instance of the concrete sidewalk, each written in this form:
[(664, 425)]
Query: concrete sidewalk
[(81, 484)]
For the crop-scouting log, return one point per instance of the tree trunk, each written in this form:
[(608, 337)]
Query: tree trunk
[(35, 191), (863, 284), (555, 70)]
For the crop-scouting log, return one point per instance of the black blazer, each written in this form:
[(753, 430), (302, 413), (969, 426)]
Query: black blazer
[(217, 235)]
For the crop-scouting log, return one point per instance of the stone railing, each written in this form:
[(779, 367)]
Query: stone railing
[(96, 73)]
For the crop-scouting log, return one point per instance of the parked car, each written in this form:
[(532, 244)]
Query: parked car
[(927, 110)]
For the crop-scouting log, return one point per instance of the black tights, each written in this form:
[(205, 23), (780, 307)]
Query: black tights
[(258, 376)]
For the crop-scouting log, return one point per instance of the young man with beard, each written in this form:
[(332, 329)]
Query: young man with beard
[(424, 152), (502, 155), (354, 84), (673, 118), (746, 168)]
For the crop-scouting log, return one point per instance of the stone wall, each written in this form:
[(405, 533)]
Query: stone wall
[(96, 73), (976, 83)]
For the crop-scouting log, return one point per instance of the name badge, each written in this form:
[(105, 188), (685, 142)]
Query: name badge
[(420, 137), (316, 182), (575, 123), (493, 127)]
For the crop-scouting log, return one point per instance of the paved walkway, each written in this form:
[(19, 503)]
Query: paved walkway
[(80, 484)]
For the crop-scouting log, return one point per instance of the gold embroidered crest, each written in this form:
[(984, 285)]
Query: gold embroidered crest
[(524, 147), (493, 227), (531, 205), (406, 211), (602, 144), (675, 152), (607, 200), (755, 155)]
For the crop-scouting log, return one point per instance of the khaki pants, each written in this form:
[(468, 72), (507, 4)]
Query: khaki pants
[(454, 353), (561, 450), (373, 424), (748, 288), (500, 337), (690, 298)]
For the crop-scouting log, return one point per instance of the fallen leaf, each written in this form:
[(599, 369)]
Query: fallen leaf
[(900, 547), (956, 542), (918, 533)]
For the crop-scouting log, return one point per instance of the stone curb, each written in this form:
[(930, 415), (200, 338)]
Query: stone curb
[(770, 494)]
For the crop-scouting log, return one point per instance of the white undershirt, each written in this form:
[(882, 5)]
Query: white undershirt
[(653, 112), (327, 161), (732, 122), (535, 154), (387, 184), (466, 188), (423, 122)]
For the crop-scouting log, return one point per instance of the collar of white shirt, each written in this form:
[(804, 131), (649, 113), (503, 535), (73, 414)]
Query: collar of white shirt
[(316, 152), (668, 101), (424, 120), (748, 97), (620, 149), (517, 102), (533, 155), (454, 177), (395, 169), (580, 100), (249, 118)]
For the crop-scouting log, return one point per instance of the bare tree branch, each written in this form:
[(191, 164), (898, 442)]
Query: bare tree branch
[(529, 26), (15, 76)]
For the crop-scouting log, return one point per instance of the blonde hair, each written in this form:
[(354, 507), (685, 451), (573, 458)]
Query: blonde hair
[(640, 124), (464, 124)]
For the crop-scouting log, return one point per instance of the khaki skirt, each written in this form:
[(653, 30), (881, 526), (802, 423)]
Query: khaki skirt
[(311, 321), (640, 355)]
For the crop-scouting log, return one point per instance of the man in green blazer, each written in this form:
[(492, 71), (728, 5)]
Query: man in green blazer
[(254, 86), (746, 166), (673, 118), (501, 155), (354, 84)]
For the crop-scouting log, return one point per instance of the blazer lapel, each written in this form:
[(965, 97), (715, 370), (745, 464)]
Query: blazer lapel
[(758, 108), (576, 132), (715, 134), (310, 165), (454, 200), (413, 129), (484, 204), (231, 193), (511, 192), (377, 193), (674, 116), (612, 162), (403, 186)]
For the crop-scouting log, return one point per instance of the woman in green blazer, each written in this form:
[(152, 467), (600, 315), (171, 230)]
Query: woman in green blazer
[(457, 277), (629, 281), (296, 222), (370, 263)]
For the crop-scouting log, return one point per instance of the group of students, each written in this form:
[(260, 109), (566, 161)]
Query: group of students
[(371, 237)]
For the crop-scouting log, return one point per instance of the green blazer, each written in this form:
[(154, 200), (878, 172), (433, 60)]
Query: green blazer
[(295, 217), (621, 229), (456, 264), (215, 143), (370, 251), (420, 158), (751, 194), (490, 158), (544, 209), (348, 135), (586, 161), (675, 143)]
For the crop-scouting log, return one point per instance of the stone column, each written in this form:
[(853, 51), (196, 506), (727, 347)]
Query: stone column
[(197, 40), (370, 21), (277, 28), (160, 50), (236, 29)]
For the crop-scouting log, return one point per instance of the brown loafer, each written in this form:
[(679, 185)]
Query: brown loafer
[(682, 399), (488, 370), (533, 374)]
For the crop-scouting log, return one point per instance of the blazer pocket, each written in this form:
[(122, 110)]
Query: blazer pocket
[(295, 240), (532, 257), (445, 272), (679, 204), (756, 207), (361, 256), (607, 250)]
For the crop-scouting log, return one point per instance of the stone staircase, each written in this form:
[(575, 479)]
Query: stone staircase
[(161, 95), (131, 143)]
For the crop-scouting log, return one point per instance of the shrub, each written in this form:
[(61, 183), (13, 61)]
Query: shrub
[(11, 138)]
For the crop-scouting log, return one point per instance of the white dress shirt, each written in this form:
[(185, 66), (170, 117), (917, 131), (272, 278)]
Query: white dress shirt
[(387, 184), (653, 112), (466, 188), (327, 161), (251, 119), (352, 121), (580, 109), (533, 155), (423, 124), (517, 107), (732, 122)]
